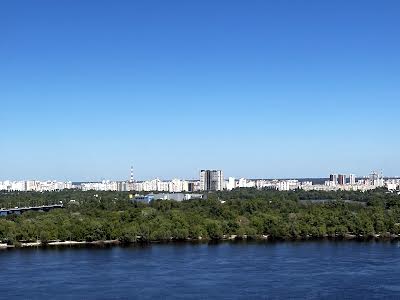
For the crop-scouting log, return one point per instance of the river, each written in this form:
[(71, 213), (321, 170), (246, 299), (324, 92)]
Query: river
[(281, 270)]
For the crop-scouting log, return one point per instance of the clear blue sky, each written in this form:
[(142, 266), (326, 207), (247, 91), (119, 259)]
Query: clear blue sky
[(256, 88)]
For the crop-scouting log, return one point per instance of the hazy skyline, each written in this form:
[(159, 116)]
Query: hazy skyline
[(259, 89)]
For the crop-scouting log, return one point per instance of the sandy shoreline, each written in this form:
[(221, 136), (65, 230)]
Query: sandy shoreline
[(376, 237), (58, 243)]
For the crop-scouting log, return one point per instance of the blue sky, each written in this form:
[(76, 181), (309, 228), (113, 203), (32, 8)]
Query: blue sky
[(256, 88)]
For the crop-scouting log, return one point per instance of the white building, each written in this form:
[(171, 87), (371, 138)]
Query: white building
[(352, 179), (230, 184), (283, 186), (242, 183)]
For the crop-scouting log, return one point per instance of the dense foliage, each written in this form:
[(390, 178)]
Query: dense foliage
[(94, 216)]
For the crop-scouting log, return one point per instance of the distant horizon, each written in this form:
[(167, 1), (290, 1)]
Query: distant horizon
[(195, 177), (190, 179)]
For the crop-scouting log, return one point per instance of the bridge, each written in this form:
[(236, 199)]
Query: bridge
[(20, 210)]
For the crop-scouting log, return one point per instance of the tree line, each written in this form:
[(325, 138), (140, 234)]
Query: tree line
[(241, 213)]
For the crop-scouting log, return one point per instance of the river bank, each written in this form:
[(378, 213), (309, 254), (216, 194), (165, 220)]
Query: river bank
[(265, 238), (59, 243)]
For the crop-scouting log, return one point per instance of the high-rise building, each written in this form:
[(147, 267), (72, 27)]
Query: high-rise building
[(211, 180), (191, 186), (333, 178), (352, 179), (123, 186), (342, 179)]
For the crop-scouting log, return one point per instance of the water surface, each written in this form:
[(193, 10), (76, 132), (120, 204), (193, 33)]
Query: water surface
[(312, 270)]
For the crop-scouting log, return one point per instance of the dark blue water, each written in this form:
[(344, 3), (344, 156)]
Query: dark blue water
[(312, 270)]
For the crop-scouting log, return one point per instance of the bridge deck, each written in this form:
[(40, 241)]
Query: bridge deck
[(20, 210)]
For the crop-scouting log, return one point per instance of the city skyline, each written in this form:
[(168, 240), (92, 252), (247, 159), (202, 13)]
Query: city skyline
[(261, 89), (131, 177), (212, 180), (140, 177)]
